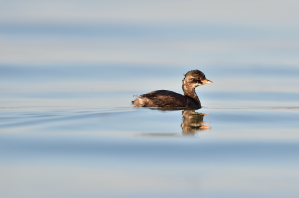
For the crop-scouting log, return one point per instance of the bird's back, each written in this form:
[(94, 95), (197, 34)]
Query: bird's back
[(162, 98)]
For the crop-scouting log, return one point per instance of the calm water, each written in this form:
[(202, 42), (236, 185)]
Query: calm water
[(69, 70)]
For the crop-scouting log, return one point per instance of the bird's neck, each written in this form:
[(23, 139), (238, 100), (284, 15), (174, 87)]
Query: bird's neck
[(190, 91)]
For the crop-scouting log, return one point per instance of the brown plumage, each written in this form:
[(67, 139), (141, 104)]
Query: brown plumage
[(165, 98)]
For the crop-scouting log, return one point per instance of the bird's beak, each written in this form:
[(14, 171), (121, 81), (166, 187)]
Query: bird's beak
[(206, 81)]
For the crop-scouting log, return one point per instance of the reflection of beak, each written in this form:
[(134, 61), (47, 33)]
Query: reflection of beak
[(206, 81)]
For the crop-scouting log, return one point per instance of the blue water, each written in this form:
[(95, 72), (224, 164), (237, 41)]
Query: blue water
[(129, 152), (69, 70)]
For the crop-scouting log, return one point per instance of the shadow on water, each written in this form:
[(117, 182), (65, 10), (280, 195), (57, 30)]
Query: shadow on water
[(192, 122)]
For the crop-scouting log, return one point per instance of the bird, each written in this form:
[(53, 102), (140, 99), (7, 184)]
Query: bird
[(166, 98)]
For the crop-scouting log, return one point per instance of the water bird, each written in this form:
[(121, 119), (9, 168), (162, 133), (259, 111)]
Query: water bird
[(165, 98)]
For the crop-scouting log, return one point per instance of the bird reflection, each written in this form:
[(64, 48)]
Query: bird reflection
[(193, 122)]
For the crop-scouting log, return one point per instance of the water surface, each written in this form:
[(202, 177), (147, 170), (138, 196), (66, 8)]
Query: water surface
[(69, 71)]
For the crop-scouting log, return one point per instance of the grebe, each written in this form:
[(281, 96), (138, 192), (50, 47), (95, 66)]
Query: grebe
[(165, 98)]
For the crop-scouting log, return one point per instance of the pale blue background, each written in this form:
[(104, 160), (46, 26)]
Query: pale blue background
[(68, 73)]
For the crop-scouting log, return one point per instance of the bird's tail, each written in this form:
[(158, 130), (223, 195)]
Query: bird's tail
[(138, 102)]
